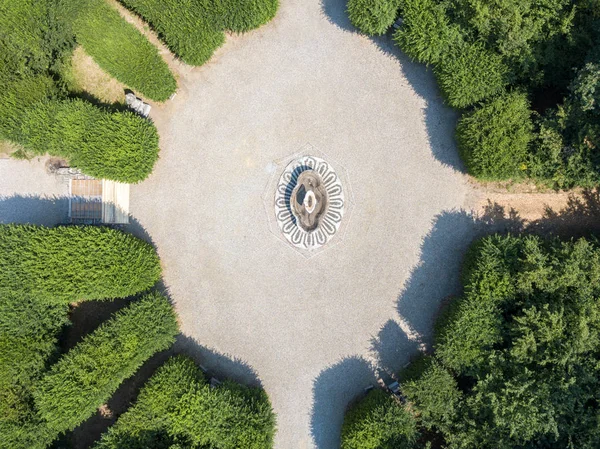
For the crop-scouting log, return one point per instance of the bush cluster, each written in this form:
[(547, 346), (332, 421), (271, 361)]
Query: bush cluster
[(516, 357), (494, 138), (120, 49), (178, 407), (373, 17), (379, 422), (194, 29), (121, 146), (74, 263), (87, 376)]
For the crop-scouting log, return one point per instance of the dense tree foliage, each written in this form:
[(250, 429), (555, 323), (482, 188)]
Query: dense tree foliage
[(547, 49), (179, 407), (517, 357), (493, 138), (373, 17), (87, 376), (379, 422), (74, 263)]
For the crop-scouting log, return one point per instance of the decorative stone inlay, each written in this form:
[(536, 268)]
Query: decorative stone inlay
[(323, 192)]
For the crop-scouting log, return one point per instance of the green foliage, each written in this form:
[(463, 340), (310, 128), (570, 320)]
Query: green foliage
[(426, 34), (74, 263), (187, 27), (469, 74), (120, 49), (29, 333), (244, 15), (121, 146), (88, 375), (586, 88), (379, 422), (533, 381), (178, 407), (434, 392), (494, 138), (373, 17)]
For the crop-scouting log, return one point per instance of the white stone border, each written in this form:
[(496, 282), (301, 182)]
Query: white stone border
[(330, 220)]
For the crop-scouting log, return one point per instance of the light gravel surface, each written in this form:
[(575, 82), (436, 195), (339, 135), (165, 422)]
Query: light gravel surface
[(310, 329)]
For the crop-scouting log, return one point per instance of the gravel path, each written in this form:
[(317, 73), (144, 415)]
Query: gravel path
[(309, 329)]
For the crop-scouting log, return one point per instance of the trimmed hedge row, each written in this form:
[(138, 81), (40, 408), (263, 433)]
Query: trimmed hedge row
[(373, 17), (88, 375), (121, 146), (74, 263), (494, 138), (379, 422), (177, 406), (193, 29), (187, 27), (120, 49)]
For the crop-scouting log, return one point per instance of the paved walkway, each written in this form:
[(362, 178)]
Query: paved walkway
[(308, 328)]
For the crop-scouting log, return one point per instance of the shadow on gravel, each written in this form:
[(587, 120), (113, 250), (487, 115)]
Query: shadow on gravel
[(333, 390), (440, 120), (392, 350)]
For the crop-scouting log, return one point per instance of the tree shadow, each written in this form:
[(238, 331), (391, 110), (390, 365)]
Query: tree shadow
[(333, 390), (440, 120), (392, 350), (437, 275)]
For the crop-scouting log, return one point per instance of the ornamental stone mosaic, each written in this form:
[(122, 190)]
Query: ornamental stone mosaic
[(309, 201)]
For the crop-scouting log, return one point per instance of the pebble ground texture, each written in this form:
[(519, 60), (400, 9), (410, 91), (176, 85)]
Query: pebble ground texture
[(314, 332)]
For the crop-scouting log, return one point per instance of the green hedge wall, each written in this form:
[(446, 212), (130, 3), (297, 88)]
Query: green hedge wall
[(469, 74), (177, 406), (494, 138), (373, 17), (88, 375), (29, 331), (120, 49), (121, 146), (244, 15), (426, 34), (188, 27), (74, 263), (379, 422)]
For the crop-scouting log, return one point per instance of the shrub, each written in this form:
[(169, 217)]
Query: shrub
[(244, 15), (88, 375), (187, 27), (120, 146), (378, 422), (373, 17), (426, 34), (469, 74), (29, 333), (120, 49), (177, 406), (73, 263), (495, 137)]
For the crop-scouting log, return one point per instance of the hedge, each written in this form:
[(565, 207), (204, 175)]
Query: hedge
[(120, 49), (29, 333), (178, 407), (426, 34), (121, 146), (244, 15), (74, 263), (187, 27), (379, 422), (87, 376), (494, 138), (373, 17), (469, 74)]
